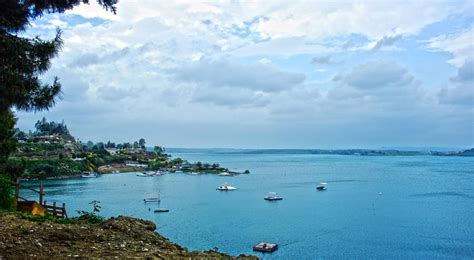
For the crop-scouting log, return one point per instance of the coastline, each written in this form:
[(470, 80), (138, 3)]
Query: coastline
[(132, 169), (120, 237)]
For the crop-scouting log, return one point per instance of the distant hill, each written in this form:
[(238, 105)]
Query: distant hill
[(469, 152), (361, 152)]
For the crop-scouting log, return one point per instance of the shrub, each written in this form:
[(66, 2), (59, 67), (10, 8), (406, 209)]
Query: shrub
[(91, 217), (6, 195)]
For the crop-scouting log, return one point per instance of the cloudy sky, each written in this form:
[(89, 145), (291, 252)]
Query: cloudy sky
[(266, 74)]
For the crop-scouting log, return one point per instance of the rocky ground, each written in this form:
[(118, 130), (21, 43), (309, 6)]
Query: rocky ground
[(121, 237)]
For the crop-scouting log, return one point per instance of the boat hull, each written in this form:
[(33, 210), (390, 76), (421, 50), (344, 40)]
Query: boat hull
[(272, 199), (151, 200)]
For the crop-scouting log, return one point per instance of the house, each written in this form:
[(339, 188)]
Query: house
[(135, 164)]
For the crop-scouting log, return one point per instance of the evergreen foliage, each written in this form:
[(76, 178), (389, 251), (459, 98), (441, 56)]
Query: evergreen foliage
[(23, 60)]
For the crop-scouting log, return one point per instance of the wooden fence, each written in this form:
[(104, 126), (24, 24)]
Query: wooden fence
[(54, 210)]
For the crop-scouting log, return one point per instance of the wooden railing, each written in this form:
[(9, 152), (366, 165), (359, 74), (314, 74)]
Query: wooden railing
[(56, 211), (18, 187)]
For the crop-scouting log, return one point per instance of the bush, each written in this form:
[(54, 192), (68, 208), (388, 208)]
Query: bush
[(6, 195), (41, 219), (91, 217)]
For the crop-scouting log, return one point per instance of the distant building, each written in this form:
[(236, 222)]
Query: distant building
[(135, 164), (186, 166), (111, 151)]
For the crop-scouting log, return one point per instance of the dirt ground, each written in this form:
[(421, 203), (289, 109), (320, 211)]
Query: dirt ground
[(121, 237)]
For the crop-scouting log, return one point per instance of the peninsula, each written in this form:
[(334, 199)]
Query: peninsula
[(52, 150)]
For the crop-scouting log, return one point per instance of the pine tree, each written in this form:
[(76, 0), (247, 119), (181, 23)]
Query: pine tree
[(23, 60)]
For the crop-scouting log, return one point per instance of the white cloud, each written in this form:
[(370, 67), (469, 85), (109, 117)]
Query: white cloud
[(375, 75), (460, 45), (208, 65), (225, 73), (461, 89)]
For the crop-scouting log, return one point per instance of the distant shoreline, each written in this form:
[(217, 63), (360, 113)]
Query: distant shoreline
[(357, 152)]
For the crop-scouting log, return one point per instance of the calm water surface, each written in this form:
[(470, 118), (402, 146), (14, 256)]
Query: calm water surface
[(375, 207)]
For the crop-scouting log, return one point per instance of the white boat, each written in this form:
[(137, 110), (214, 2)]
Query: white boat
[(146, 174), (272, 196), (89, 175), (115, 172), (226, 187), (152, 197), (322, 186), (225, 174)]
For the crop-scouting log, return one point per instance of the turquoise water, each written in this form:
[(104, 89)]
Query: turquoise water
[(375, 207)]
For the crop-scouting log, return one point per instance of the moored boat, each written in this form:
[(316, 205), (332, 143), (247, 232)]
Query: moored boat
[(272, 196), (159, 210), (90, 175), (265, 247), (146, 174), (152, 197), (322, 186), (226, 187)]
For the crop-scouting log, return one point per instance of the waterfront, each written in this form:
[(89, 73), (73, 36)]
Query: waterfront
[(375, 207)]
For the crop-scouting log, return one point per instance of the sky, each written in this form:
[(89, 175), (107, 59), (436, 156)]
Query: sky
[(265, 74)]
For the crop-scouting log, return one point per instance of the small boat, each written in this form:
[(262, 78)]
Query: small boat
[(272, 196), (115, 172), (90, 175), (226, 187), (159, 210), (225, 174), (322, 186), (152, 197), (146, 174), (265, 247)]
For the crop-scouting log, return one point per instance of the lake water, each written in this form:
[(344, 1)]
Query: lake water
[(375, 207)]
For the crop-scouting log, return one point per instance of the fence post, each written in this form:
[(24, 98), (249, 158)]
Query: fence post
[(64, 210), (54, 210), (17, 192), (41, 193)]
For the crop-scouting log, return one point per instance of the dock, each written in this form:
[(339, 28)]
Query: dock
[(265, 247)]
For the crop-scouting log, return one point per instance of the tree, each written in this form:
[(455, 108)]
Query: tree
[(23, 60), (7, 138), (199, 165), (89, 144), (6, 194), (141, 142), (158, 150), (20, 135)]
